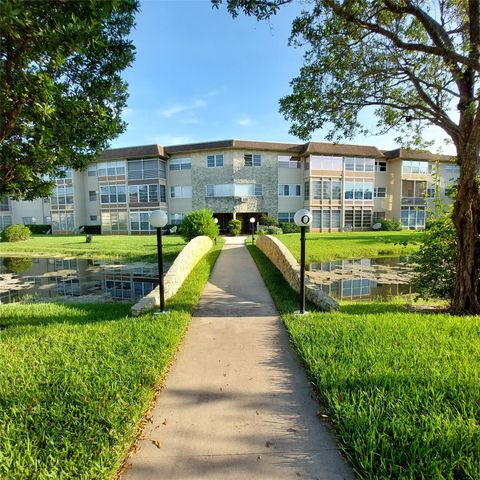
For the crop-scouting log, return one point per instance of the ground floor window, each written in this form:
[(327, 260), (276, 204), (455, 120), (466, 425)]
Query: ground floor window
[(114, 222), (63, 222), (377, 216), (358, 218), (286, 217), (326, 218), (412, 217), (139, 222), (176, 218), (5, 221)]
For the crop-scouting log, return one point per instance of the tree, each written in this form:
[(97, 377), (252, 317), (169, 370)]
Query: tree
[(61, 93), (199, 222), (417, 63)]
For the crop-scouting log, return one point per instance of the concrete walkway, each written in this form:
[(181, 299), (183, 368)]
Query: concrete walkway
[(237, 403)]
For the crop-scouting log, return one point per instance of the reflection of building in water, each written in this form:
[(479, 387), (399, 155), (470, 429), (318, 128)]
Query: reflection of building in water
[(362, 278), (127, 287)]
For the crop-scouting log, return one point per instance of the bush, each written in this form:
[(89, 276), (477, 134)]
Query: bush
[(199, 222), (234, 227), (268, 221), (15, 233), (270, 230), (435, 262), (39, 229), (92, 229), (390, 225), (17, 264), (290, 227)]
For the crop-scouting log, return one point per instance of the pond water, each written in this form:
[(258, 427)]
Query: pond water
[(49, 278), (364, 278)]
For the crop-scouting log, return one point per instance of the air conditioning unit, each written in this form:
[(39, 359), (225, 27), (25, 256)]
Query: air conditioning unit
[(244, 199)]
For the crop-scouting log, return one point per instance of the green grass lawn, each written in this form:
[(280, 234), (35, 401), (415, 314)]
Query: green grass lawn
[(122, 247), (75, 381), (401, 389), (320, 247)]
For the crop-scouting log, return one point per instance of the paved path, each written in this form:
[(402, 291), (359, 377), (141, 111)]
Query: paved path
[(237, 404)]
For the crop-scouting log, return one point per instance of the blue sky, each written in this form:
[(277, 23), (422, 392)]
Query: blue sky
[(200, 75)]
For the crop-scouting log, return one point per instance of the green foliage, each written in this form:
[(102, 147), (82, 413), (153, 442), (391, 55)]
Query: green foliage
[(268, 221), (270, 230), (400, 410), (435, 262), (77, 381), (17, 264), (199, 222), (39, 229), (390, 225), (289, 227), (15, 233), (61, 90), (234, 227)]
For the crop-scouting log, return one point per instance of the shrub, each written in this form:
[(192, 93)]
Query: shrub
[(290, 227), (92, 229), (15, 233), (270, 230), (39, 229), (234, 227), (199, 222), (390, 225), (268, 221), (435, 262), (17, 264)]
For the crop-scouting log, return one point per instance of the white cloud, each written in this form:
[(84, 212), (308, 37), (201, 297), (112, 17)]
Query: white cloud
[(245, 121), (184, 109)]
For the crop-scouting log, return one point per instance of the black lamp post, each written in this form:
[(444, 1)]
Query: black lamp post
[(303, 219), (252, 222), (159, 219)]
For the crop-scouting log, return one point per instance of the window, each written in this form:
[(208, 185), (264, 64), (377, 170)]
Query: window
[(92, 195), (92, 170), (5, 220), (181, 164), (413, 192), (114, 222), (306, 191), (146, 169), (318, 162), (111, 169), (449, 191), (377, 216), (139, 222), (215, 161), (380, 192), (64, 172), (430, 192), (359, 190), (146, 193), (254, 160), (4, 204), (286, 217), (326, 189), (289, 190), (358, 218), (113, 194), (359, 164), (380, 166), (62, 221), (234, 190), (62, 195), (285, 161), (412, 217), (452, 171), (416, 167), (181, 192), (176, 218), (326, 218), (93, 218)]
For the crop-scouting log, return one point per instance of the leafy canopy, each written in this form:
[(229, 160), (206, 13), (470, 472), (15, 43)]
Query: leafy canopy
[(61, 93)]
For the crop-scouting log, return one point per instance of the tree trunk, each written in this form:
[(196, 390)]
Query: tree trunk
[(466, 218)]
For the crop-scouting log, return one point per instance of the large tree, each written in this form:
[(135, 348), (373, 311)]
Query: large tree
[(61, 93), (417, 63)]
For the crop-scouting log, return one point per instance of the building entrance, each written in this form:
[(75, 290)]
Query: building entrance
[(245, 219)]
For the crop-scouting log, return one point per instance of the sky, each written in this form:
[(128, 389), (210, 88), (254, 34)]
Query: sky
[(200, 75)]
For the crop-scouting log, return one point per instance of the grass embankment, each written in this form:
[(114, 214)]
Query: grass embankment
[(115, 247), (75, 381), (322, 247), (401, 389)]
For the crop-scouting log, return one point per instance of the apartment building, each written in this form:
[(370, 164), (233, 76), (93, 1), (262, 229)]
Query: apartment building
[(347, 187)]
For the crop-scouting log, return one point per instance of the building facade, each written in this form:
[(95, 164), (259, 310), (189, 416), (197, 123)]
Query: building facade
[(347, 187)]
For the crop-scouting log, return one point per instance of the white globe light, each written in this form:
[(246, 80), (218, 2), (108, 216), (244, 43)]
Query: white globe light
[(303, 218), (215, 220), (158, 218), (252, 219)]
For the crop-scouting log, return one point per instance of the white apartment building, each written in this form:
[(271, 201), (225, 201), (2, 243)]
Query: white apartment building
[(345, 186)]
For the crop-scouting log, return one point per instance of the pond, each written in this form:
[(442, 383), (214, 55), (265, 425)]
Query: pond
[(364, 278), (79, 279)]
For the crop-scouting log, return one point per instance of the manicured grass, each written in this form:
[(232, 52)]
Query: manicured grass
[(401, 389), (75, 381), (320, 247), (122, 247)]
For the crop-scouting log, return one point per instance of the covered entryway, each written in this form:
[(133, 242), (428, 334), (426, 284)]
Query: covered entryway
[(223, 219), (245, 218)]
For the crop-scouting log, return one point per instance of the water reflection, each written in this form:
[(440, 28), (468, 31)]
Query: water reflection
[(54, 277), (363, 278)]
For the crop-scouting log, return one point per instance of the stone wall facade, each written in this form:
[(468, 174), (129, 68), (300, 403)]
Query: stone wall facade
[(176, 275), (283, 259)]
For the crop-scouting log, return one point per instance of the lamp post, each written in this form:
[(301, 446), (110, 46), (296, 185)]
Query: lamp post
[(159, 219), (303, 219), (215, 221), (252, 222)]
